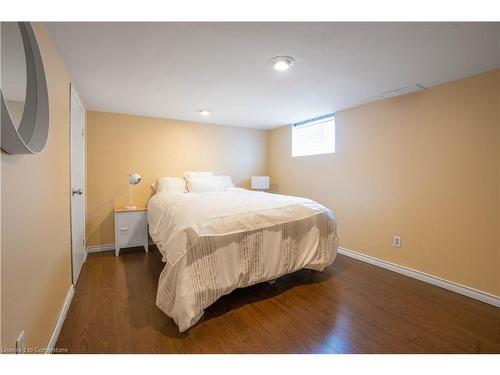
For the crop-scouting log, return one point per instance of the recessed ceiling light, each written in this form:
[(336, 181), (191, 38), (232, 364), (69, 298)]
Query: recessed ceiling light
[(282, 63), (204, 112)]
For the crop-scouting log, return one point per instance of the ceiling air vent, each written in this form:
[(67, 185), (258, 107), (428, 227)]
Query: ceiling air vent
[(401, 91)]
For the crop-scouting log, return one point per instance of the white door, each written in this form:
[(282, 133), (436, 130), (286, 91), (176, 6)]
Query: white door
[(78, 252)]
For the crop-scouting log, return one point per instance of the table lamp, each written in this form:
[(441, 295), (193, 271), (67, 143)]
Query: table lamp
[(260, 182), (133, 179)]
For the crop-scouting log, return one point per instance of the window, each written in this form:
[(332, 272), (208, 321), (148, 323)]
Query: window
[(314, 137)]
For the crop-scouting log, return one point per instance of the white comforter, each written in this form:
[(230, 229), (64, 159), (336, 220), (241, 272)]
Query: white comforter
[(213, 243)]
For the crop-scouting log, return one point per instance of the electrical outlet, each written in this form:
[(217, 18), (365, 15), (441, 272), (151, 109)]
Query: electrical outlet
[(396, 242), (20, 344)]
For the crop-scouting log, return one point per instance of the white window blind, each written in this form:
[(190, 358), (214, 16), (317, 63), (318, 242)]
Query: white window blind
[(314, 137)]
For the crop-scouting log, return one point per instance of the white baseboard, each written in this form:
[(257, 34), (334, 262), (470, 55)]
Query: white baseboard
[(99, 248), (60, 320), (422, 276), (108, 247)]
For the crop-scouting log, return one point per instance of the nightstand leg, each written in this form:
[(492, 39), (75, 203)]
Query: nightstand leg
[(117, 251), (146, 248)]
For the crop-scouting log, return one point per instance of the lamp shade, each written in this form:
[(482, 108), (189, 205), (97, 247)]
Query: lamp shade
[(134, 178), (260, 182)]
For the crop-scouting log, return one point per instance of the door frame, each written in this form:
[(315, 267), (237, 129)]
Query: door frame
[(73, 93)]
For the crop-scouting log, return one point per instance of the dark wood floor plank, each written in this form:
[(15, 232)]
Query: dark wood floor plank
[(351, 307)]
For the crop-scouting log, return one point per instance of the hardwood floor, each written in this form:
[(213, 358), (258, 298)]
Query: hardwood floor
[(352, 307)]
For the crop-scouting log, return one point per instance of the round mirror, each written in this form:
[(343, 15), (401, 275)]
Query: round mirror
[(25, 104), (13, 71)]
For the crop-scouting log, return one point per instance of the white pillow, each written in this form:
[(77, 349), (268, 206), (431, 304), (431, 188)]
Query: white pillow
[(203, 184), (188, 175), (224, 182), (210, 183), (171, 184)]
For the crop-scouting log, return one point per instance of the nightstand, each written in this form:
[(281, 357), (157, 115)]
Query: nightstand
[(131, 228)]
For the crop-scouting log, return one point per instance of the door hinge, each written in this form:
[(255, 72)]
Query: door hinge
[(83, 132)]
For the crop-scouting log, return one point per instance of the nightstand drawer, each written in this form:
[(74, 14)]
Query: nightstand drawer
[(130, 229)]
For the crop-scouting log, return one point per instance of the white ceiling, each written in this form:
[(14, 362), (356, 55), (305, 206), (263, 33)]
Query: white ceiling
[(171, 70)]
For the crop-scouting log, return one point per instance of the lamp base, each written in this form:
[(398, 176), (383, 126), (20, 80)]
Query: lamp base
[(129, 207)]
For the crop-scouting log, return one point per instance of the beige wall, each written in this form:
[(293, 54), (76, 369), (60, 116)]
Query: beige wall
[(425, 166), (36, 257), (118, 144)]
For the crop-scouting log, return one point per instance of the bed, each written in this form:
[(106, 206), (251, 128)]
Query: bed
[(215, 241)]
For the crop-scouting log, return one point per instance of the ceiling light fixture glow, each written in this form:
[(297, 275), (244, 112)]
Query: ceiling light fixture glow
[(204, 112), (282, 63)]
